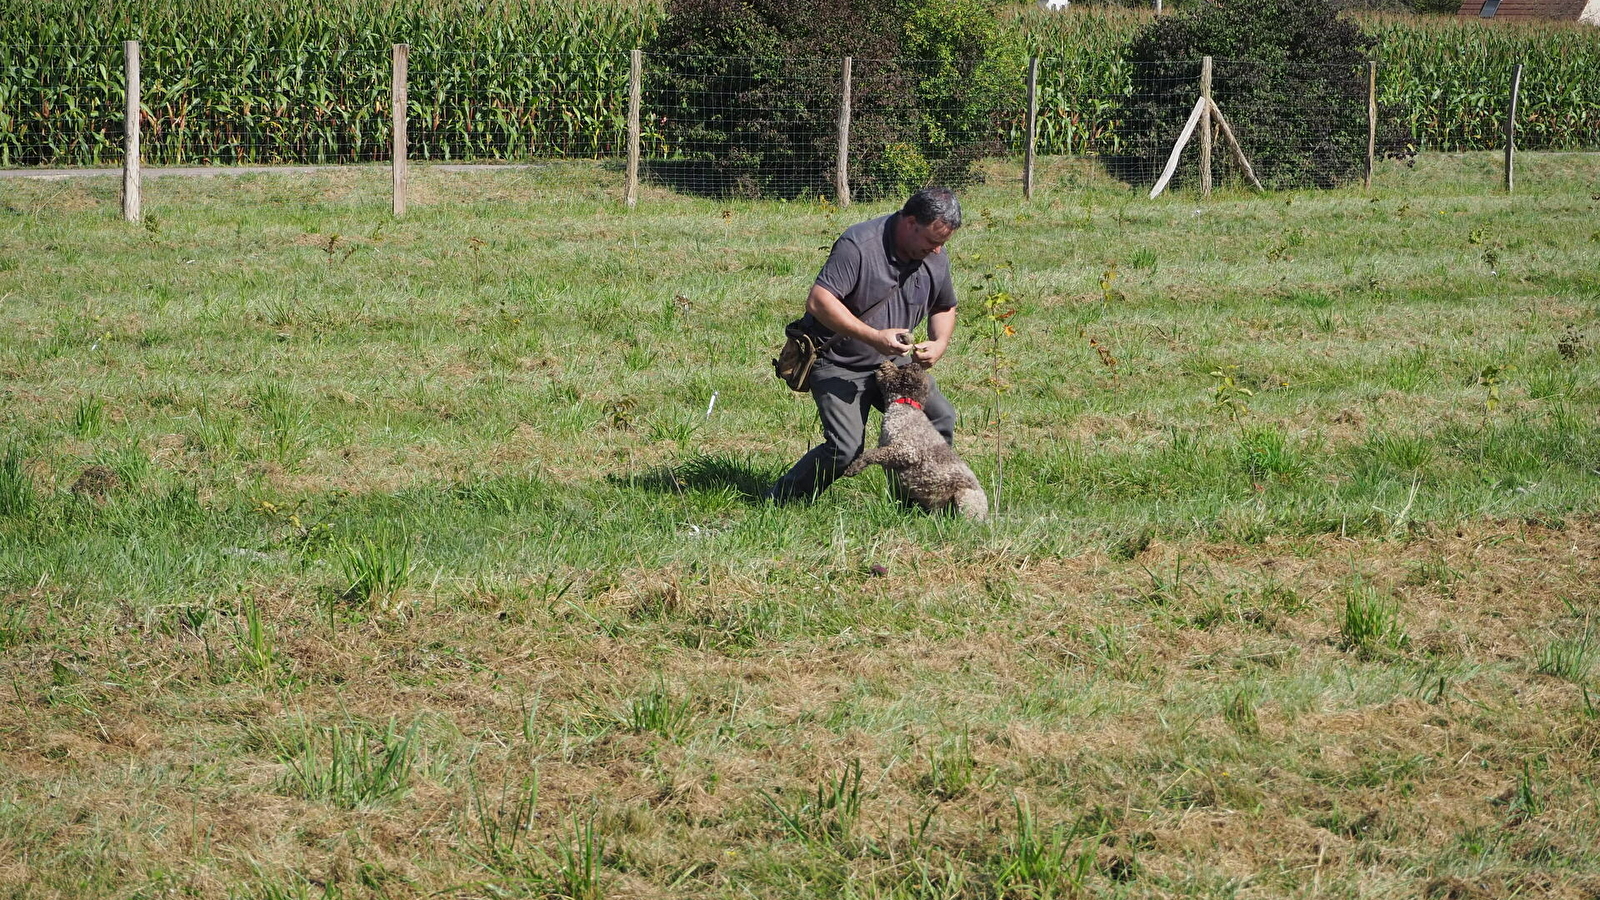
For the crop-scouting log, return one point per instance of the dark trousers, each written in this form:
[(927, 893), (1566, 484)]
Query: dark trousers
[(844, 398)]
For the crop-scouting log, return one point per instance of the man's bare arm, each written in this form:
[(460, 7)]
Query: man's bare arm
[(832, 313)]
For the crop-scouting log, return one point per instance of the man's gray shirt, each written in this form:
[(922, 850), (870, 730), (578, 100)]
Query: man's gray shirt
[(863, 268)]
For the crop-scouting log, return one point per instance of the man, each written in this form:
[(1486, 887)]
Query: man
[(882, 279)]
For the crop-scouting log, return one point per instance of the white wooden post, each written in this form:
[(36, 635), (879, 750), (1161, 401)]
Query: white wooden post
[(1205, 128), (841, 176), (398, 139), (1511, 130), (130, 133), (635, 98)]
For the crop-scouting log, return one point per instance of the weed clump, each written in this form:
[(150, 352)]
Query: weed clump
[(1371, 622), (16, 485)]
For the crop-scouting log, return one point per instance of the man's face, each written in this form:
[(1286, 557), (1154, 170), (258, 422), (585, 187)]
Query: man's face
[(915, 240)]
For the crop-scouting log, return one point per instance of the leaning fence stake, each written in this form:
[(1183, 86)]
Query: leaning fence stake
[(1511, 129), (635, 95), (841, 175), (1177, 149), (130, 134), (398, 141), (1239, 159)]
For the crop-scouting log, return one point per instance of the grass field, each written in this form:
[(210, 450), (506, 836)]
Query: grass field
[(350, 557)]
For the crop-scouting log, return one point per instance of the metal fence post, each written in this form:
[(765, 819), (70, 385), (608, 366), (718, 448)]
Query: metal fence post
[(130, 134)]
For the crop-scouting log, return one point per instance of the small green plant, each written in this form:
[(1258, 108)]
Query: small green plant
[(89, 417), (1490, 379), (578, 864), (658, 712), (1240, 709), (1371, 621), (352, 766), (1406, 452), (16, 485), (951, 769), (378, 569), (1569, 659), (1267, 454), (679, 429), (1036, 864), (253, 638), (1525, 800), (1229, 394), (1164, 590), (999, 307), (828, 817), (1108, 291), (499, 833)]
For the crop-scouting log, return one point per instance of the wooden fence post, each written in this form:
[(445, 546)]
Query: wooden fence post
[(1511, 129), (635, 100), (1205, 128), (1372, 120), (841, 175), (130, 133), (1033, 127), (398, 144)]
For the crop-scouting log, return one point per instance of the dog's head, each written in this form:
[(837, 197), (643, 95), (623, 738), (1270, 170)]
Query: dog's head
[(910, 381)]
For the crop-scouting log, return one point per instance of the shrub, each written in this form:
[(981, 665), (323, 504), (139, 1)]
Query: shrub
[(1290, 76), (746, 93)]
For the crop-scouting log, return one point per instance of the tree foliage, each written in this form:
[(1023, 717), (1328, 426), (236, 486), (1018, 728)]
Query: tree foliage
[(746, 92), (1290, 77)]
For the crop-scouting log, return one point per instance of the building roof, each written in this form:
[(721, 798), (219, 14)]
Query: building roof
[(1563, 10)]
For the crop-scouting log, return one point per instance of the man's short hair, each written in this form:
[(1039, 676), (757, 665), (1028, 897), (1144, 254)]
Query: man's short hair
[(935, 204)]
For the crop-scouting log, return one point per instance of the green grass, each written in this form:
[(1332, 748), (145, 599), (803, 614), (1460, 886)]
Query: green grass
[(427, 566)]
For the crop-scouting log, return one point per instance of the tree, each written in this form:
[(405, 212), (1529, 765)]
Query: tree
[(1290, 76), (745, 93)]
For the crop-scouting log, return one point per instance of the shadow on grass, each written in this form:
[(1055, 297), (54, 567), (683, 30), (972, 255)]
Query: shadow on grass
[(702, 473)]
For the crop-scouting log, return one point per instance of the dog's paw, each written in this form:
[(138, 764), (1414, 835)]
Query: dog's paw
[(854, 469)]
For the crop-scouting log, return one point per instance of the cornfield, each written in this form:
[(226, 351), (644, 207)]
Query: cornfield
[(1448, 81), (1083, 76), (271, 81)]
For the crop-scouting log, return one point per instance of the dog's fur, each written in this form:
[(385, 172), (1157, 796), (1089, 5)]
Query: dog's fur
[(930, 472)]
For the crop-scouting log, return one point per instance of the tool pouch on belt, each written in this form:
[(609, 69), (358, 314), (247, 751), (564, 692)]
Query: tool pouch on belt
[(801, 348), (799, 353)]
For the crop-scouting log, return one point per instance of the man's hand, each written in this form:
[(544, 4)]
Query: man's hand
[(929, 352), (890, 341)]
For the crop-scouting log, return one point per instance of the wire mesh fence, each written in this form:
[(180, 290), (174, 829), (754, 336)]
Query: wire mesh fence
[(1320, 142), (472, 106), (261, 106), (747, 126), (61, 105)]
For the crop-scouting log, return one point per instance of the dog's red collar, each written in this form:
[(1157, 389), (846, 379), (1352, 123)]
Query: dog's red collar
[(909, 402)]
